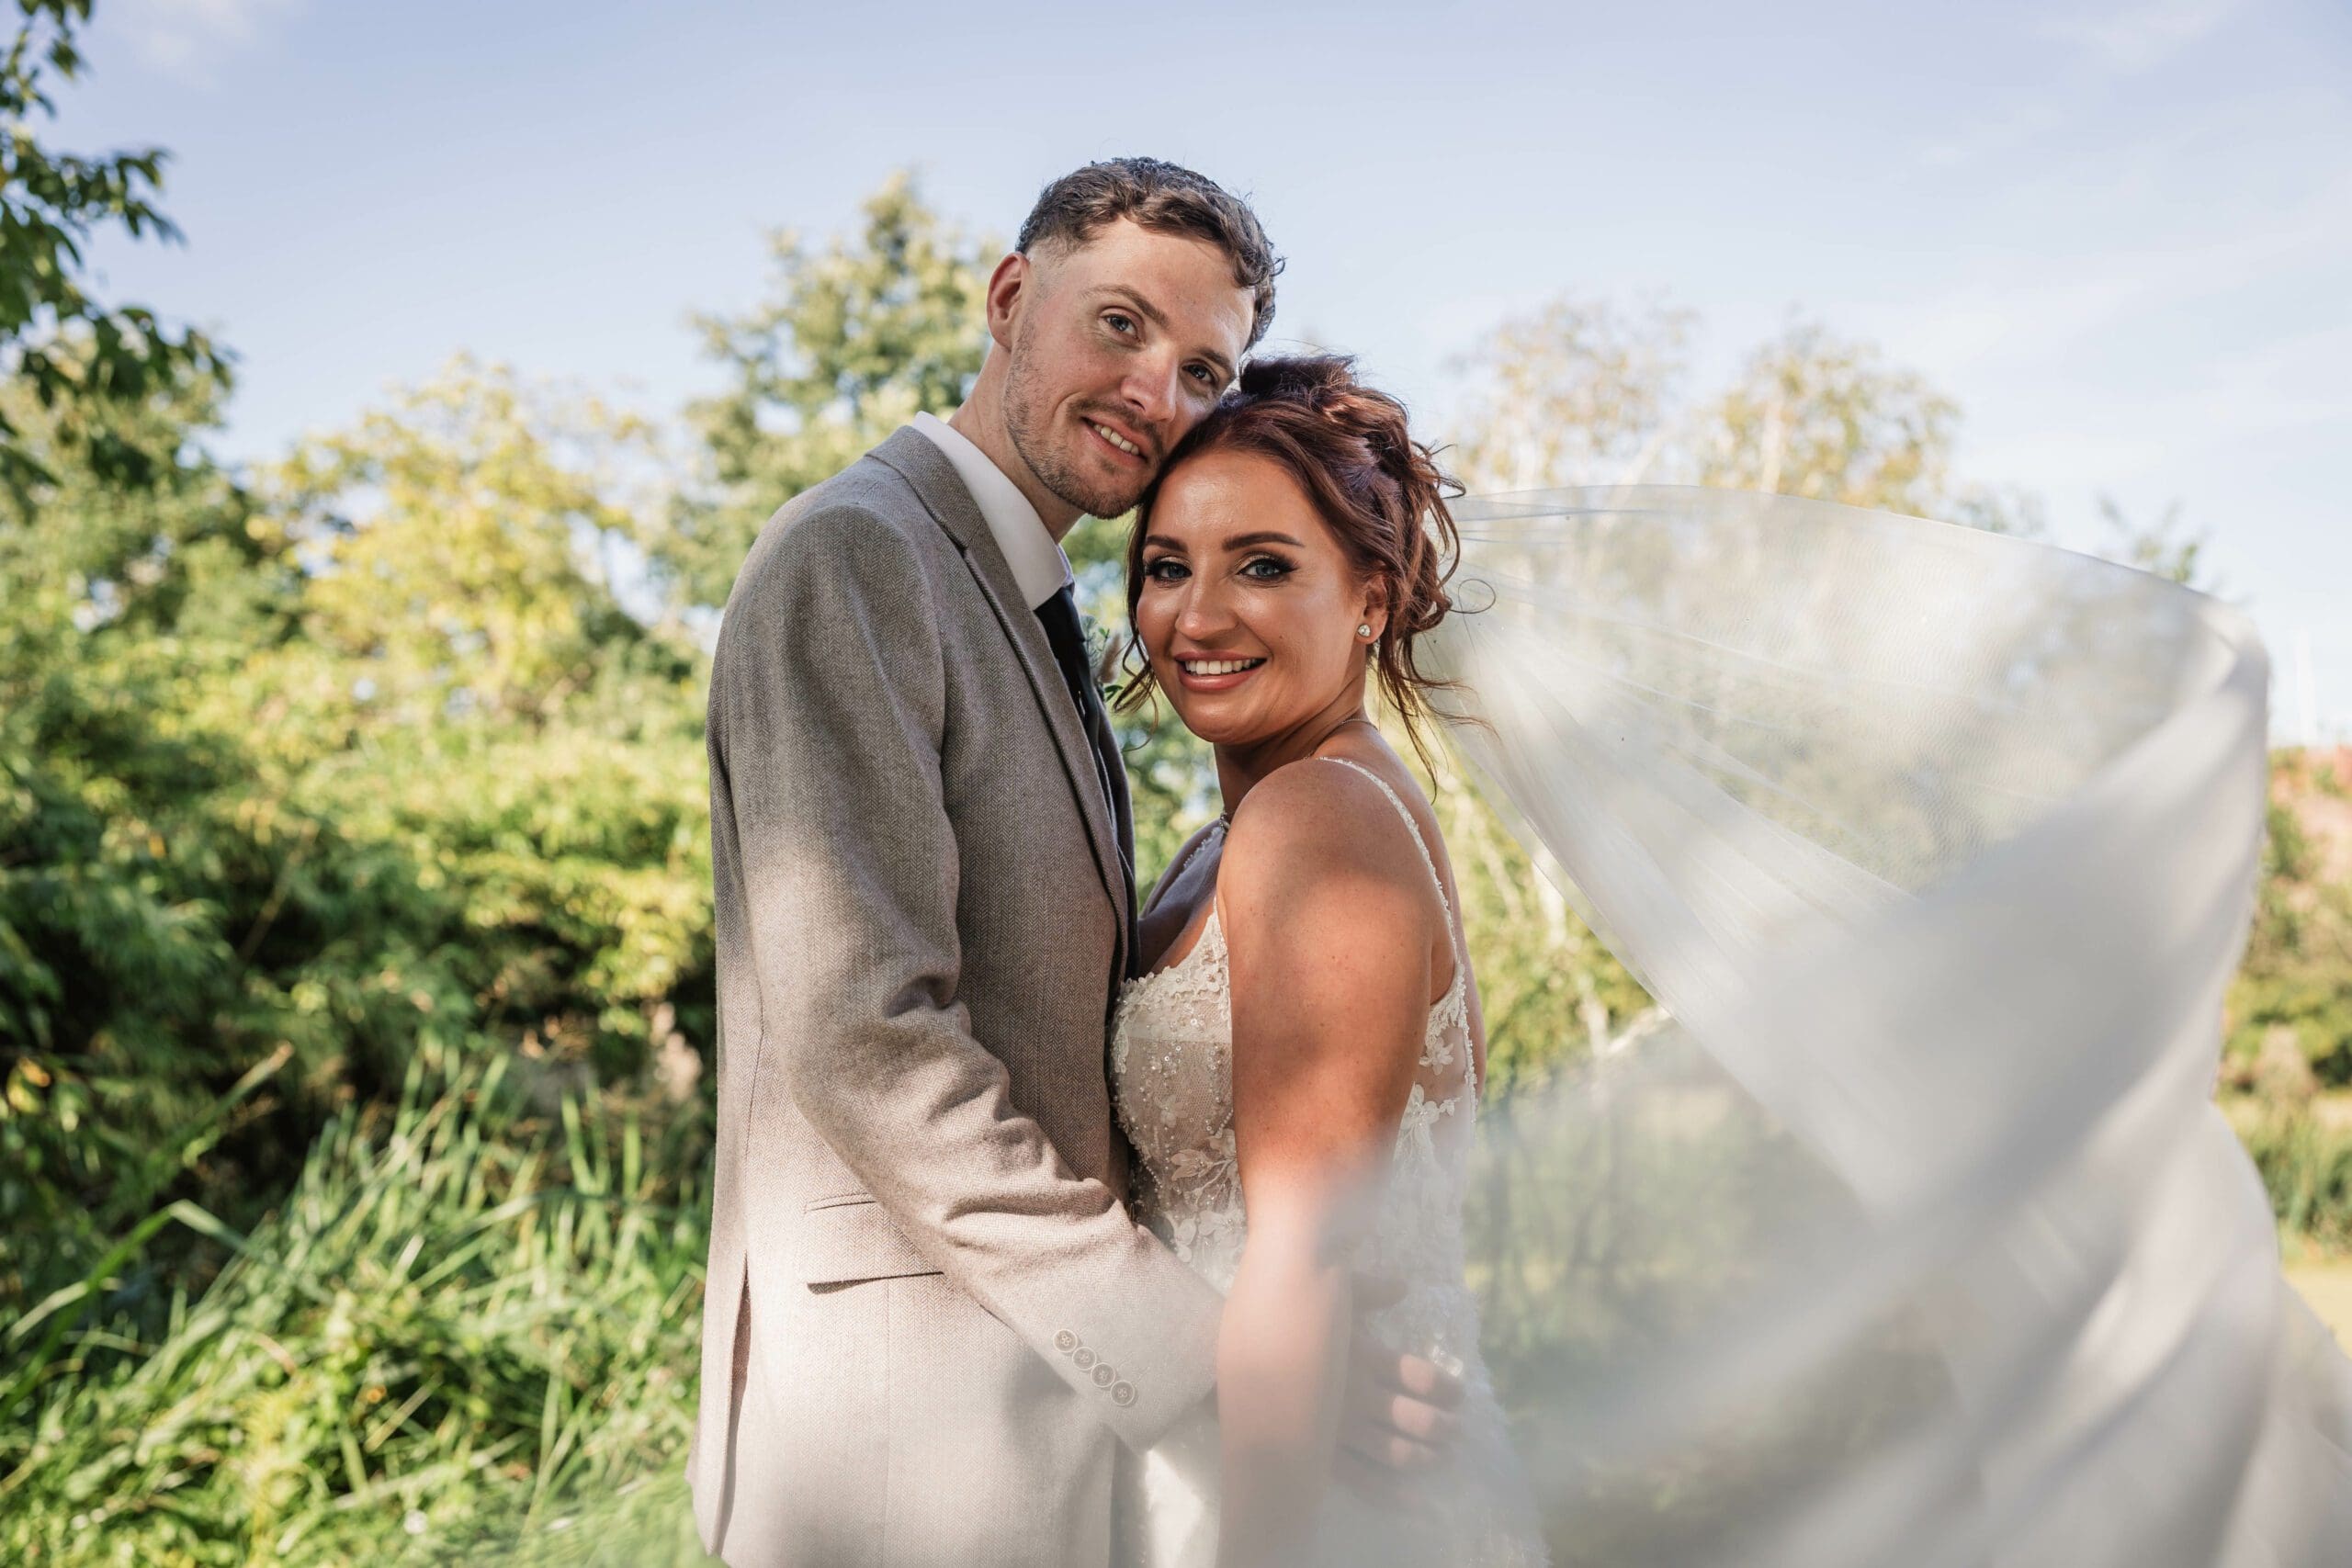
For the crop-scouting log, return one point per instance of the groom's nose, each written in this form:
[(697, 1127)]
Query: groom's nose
[(1150, 388)]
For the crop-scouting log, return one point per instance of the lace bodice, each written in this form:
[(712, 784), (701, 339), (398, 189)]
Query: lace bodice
[(1171, 1069)]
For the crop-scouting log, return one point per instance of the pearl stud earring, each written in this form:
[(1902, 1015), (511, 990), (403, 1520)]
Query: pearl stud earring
[(1364, 630)]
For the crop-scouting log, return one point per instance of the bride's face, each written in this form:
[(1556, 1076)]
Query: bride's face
[(1249, 611)]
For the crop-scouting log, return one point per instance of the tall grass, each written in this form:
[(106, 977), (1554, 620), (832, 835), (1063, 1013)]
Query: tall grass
[(468, 1333), (2303, 1149), (468, 1336)]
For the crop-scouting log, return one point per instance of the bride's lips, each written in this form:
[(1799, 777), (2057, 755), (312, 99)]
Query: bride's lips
[(1222, 682)]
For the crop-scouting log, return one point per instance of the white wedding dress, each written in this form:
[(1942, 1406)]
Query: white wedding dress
[(1172, 1055)]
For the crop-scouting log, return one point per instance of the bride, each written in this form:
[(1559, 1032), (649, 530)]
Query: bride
[(1908, 1231), (1306, 1047)]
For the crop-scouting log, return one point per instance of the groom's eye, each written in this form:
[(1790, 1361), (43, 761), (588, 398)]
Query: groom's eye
[(1119, 324)]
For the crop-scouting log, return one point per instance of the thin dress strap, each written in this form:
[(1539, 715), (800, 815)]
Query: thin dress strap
[(1419, 843)]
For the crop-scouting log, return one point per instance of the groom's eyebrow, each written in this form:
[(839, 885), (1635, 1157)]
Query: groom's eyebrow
[(1152, 313)]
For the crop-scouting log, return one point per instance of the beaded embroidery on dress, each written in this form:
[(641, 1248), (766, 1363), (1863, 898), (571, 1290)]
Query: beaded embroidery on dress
[(1171, 1058)]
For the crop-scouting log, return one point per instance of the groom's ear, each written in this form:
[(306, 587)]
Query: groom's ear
[(1013, 287)]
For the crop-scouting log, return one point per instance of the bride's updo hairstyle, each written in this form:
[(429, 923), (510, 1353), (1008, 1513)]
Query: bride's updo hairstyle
[(1379, 491)]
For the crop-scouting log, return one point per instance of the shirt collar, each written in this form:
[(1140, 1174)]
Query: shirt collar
[(1039, 567)]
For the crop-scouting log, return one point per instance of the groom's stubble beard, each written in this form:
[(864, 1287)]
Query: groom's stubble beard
[(1028, 421)]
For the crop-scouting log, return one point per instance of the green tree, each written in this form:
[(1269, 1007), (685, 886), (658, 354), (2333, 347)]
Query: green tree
[(1587, 392), (72, 354), (2167, 546), (458, 544), (438, 797), (1575, 393), (854, 339), (469, 692), (1814, 414), (128, 575)]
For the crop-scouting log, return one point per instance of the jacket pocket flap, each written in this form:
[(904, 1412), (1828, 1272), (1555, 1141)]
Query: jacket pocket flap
[(842, 1240)]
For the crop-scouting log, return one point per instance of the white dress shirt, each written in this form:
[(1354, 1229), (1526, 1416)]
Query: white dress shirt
[(1039, 567)]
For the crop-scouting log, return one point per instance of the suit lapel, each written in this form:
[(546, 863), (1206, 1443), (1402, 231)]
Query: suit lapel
[(941, 491), (1123, 821)]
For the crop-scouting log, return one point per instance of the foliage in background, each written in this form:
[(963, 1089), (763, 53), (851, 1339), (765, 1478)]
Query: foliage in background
[(2290, 1019), (457, 548), (1587, 392), (2286, 1062), (72, 355), (394, 771), (854, 340), (127, 577), (463, 1320)]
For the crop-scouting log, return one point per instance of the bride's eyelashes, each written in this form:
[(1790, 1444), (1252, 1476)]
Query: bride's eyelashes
[(1277, 570)]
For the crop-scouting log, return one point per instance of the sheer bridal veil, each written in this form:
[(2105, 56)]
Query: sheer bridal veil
[(1914, 1238)]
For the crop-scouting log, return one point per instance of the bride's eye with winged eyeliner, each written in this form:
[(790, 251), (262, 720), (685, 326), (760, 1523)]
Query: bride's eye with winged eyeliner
[(1151, 568), (1282, 569)]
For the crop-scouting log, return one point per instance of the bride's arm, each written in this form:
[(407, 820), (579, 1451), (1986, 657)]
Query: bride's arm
[(1330, 953)]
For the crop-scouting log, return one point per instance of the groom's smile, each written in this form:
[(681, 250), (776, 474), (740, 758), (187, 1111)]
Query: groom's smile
[(1119, 441)]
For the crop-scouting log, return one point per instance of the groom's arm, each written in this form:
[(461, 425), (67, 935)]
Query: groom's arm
[(829, 702)]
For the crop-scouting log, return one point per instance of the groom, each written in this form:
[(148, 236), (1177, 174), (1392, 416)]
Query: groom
[(929, 1315)]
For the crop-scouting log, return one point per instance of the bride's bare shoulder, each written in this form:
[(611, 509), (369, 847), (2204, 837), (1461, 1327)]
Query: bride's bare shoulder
[(1329, 932), (1315, 825)]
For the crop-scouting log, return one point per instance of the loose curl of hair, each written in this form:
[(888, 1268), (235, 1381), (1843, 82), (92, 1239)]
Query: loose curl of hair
[(1379, 491)]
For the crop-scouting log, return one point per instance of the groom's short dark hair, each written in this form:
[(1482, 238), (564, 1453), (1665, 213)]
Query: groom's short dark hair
[(1167, 199)]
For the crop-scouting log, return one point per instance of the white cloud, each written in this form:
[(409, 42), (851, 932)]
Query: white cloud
[(187, 38), (2132, 38)]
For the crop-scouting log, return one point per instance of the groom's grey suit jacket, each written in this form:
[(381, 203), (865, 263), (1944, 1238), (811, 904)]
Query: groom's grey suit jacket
[(929, 1316)]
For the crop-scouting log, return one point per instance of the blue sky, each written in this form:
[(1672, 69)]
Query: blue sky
[(2118, 233)]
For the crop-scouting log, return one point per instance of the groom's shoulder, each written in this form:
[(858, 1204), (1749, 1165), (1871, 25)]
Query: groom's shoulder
[(866, 517), (868, 497)]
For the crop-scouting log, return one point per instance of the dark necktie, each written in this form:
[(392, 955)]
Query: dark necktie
[(1059, 616)]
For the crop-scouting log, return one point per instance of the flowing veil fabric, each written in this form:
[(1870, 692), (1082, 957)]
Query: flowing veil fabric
[(1916, 1238)]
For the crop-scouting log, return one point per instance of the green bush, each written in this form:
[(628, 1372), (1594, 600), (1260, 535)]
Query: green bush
[(465, 1325), (2297, 975), (2303, 1150), (252, 863)]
